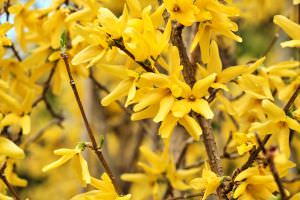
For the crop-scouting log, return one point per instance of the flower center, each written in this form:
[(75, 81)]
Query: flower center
[(192, 98), (176, 8)]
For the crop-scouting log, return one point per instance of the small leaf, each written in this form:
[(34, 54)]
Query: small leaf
[(63, 41), (101, 141)]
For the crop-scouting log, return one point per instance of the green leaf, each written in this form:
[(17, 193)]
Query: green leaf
[(101, 141), (63, 41)]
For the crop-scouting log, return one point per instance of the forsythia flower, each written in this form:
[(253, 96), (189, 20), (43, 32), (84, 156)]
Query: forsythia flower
[(105, 191), (68, 154), (256, 184), (208, 182), (277, 123), (291, 28), (158, 171), (184, 11), (192, 99)]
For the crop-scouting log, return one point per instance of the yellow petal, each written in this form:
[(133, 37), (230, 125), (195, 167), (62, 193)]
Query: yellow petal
[(10, 149), (293, 124), (240, 190), (274, 112), (83, 166), (200, 89), (202, 107), (147, 113), (290, 27), (214, 63), (164, 108), (181, 107), (65, 158), (192, 126), (167, 126), (118, 92), (230, 73), (291, 43), (87, 54), (25, 123)]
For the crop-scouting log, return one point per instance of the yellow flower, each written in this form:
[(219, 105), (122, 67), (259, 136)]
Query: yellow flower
[(17, 122), (111, 24), (291, 28), (11, 176), (245, 142), (182, 10), (214, 65), (192, 99), (208, 182), (126, 87), (188, 122), (214, 18), (10, 149), (105, 191), (159, 169), (68, 154), (277, 123), (144, 34), (179, 178), (256, 86), (254, 184)]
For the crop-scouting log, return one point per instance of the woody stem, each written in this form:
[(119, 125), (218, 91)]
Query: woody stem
[(95, 146)]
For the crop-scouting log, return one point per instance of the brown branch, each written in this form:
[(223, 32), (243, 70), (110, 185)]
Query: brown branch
[(189, 72), (272, 44), (95, 146), (188, 69), (6, 6), (44, 98), (270, 160), (291, 100), (15, 52), (39, 134), (187, 196), (183, 152), (230, 156), (8, 185), (293, 180)]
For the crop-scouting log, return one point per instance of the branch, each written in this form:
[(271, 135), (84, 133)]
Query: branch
[(270, 160), (189, 72), (39, 134), (291, 100), (187, 196), (183, 152), (146, 65), (95, 146), (8, 185), (188, 69), (44, 98)]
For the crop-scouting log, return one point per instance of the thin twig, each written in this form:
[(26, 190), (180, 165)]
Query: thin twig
[(291, 100), (270, 160), (44, 98), (8, 185), (146, 65), (187, 196), (39, 134), (183, 152), (96, 148), (272, 44)]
